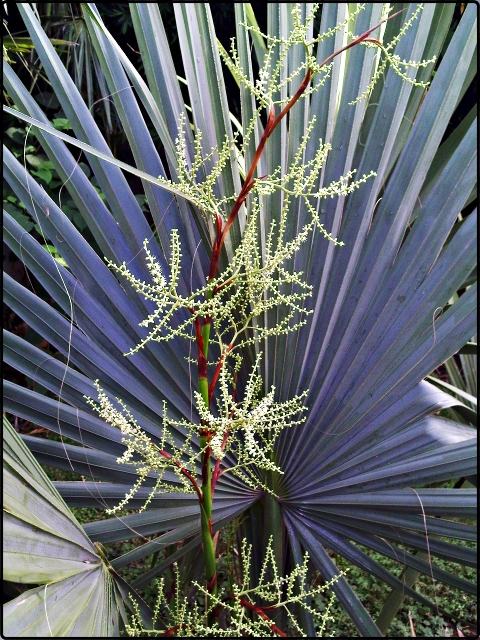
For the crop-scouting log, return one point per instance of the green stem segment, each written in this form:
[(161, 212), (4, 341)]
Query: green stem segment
[(203, 335), (206, 520)]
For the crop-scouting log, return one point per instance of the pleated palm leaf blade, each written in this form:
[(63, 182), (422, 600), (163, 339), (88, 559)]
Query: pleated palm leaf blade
[(45, 545)]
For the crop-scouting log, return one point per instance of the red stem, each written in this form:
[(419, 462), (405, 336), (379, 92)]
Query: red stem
[(186, 473), (292, 101), (211, 386), (202, 361), (219, 287), (261, 145), (258, 610), (169, 632), (361, 38)]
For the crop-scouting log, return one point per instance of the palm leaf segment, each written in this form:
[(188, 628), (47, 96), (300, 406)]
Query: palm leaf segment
[(381, 320), (44, 542)]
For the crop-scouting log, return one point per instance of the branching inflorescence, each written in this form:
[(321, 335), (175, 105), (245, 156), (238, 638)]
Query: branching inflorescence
[(228, 310), (275, 591)]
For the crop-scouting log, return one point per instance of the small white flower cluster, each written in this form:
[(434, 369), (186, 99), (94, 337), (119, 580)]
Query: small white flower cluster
[(249, 429), (400, 67), (272, 590), (198, 181), (248, 287), (256, 284), (266, 88), (301, 181), (268, 84), (164, 294), (144, 455)]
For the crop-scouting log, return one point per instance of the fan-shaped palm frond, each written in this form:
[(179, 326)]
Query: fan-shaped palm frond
[(45, 545)]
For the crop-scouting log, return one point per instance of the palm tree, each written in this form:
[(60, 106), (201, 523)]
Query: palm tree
[(388, 307)]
